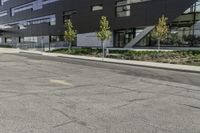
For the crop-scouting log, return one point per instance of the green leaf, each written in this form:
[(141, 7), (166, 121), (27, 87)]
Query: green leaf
[(161, 30), (104, 33), (70, 33)]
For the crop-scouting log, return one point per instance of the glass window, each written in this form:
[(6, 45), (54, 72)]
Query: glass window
[(3, 13), (31, 39), (8, 40), (22, 27), (123, 11), (57, 38), (123, 7), (35, 5), (97, 8), (51, 19), (3, 1), (21, 39), (67, 14)]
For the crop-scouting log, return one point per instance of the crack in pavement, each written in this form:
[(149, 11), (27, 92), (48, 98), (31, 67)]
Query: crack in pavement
[(130, 102), (191, 106), (167, 84), (63, 124), (18, 94), (77, 86), (73, 120), (161, 93)]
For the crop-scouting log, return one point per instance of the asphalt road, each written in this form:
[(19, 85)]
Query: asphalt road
[(41, 94)]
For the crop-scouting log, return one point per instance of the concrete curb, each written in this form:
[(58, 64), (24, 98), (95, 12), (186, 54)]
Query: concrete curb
[(138, 65), (182, 68), (165, 66)]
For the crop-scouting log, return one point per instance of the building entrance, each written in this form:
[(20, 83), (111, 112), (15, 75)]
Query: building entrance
[(123, 37)]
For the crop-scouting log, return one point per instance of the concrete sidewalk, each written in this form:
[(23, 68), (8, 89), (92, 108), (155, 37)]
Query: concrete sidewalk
[(8, 50), (185, 68)]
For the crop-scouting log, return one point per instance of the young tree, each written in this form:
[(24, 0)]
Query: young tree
[(104, 33), (161, 30), (70, 33)]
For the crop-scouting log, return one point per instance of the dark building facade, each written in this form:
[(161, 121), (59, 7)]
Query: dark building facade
[(42, 21)]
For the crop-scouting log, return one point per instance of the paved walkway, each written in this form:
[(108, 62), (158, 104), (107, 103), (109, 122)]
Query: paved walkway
[(9, 50), (186, 68)]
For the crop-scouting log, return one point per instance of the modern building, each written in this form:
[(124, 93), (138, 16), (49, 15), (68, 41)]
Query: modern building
[(27, 22)]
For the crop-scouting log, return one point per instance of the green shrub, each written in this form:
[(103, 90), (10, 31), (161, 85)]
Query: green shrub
[(5, 46), (78, 51), (191, 57)]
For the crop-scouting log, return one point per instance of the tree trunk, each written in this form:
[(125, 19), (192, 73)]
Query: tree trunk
[(49, 46), (158, 42), (69, 46), (103, 52)]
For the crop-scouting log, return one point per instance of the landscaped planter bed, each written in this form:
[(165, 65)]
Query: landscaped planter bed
[(190, 57)]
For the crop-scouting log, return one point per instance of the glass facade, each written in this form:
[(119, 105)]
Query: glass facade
[(184, 30)]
